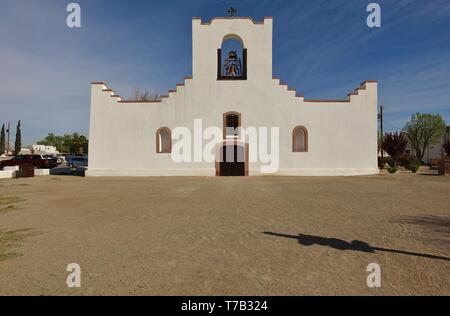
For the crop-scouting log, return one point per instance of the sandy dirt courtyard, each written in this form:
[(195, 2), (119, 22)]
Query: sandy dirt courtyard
[(225, 236)]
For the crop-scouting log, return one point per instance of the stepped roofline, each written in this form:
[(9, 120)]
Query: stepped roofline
[(362, 86)]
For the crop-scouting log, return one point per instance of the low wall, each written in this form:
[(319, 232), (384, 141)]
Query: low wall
[(7, 174), (41, 172), (13, 168), (10, 172)]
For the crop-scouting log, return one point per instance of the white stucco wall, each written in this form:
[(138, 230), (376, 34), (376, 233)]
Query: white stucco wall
[(41, 172), (342, 134)]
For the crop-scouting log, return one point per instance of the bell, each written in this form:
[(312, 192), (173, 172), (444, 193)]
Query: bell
[(232, 55)]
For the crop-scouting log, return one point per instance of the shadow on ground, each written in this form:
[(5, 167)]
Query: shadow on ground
[(440, 224), (355, 245), (67, 171), (433, 229)]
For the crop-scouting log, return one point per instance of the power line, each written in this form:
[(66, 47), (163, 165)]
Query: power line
[(390, 125)]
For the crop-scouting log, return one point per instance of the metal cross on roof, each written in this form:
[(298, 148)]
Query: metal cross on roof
[(232, 12)]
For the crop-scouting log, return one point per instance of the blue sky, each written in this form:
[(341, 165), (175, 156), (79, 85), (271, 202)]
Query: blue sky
[(323, 49)]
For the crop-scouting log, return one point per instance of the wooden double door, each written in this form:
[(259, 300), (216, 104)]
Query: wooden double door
[(232, 162)]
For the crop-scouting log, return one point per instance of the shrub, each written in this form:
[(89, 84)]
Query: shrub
[(392, 163), (392, 169), (414, 166), (406, 160), (446, 147), (382, 161)]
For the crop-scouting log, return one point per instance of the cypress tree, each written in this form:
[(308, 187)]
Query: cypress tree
[(18, 144), (2, 140)]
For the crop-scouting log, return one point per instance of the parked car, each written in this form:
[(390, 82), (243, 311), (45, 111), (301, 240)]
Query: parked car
[(37, 161), (78, 161), (53, 160)]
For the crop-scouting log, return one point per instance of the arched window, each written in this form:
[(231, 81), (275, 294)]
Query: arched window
[(164, 141), (231, 125), (232, 59), (300, 139)]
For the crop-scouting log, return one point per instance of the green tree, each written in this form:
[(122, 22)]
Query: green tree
[(2, 140), (54, 140), (69, 143), (79, 143), (82, 143), (424, 130), (18, 143)]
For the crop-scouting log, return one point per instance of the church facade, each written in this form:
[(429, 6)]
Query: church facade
[(235, 93)]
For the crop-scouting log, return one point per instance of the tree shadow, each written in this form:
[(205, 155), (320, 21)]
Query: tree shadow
[(67, 171), (434, 229), (355, 245), (440, 224)]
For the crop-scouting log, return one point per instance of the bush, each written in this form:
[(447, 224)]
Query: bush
[(410, 162), (392, 169), (392, 163), (407, 160), (446, 147), (386, 160), (414, 166), (382, 161)]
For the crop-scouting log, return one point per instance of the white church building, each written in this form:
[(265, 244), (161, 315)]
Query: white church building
[(242, 120)]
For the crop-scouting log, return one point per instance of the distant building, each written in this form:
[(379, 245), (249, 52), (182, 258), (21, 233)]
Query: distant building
[(45, 150), (25, 151), (42, 149)]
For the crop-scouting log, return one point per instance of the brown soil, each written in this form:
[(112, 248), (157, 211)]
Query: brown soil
[(206, 236)]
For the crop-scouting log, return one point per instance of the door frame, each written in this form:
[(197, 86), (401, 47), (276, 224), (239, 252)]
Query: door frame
[(232, 142)]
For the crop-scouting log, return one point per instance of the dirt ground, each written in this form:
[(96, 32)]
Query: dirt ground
[(225, 236)]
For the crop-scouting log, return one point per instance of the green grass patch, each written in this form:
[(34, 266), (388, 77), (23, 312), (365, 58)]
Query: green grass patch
[(7, 209), (7, 200), (11, 240), (8, 203)]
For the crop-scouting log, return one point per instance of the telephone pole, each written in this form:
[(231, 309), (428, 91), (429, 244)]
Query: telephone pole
[(8, 132), (380, 117)]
